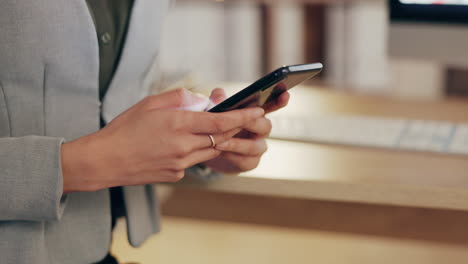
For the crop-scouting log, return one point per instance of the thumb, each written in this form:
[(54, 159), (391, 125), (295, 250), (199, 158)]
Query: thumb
[(179, 99), (217, 95)]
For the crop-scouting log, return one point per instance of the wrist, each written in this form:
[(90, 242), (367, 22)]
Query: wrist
[(82, 161)]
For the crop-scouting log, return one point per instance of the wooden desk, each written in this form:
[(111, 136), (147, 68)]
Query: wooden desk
[(310, 203), (354, 174)]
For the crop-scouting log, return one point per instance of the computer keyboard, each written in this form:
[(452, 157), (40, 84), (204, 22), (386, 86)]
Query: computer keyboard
[(407, 134)]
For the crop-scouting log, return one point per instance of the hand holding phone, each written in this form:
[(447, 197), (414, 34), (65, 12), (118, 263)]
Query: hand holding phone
[(267, 89), (244, 150)]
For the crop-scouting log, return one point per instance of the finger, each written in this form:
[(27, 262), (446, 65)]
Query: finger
[(201, 141), (176, 99), (231, 133), (261, 127), (170, 176), (280, 102), (246, 147), (162, 176), (212, 123), (200, 156), (241, 162), (217, 95)]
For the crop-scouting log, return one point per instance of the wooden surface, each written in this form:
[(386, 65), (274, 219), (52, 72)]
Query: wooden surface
[(355, 174), (189, 240), (311, 203), (403, 223)]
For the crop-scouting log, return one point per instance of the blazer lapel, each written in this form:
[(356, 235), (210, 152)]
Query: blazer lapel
[(138, 55)]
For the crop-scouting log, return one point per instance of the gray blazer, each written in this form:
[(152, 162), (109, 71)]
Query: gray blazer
[(49, 94)]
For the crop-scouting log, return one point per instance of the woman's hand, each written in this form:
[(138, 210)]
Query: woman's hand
[(150, 142), (244, 150)]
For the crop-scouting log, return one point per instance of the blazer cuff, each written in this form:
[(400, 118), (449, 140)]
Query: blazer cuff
[(31, 182)]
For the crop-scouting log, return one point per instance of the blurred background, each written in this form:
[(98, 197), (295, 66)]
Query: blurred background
[(412, 51), (406, 49)]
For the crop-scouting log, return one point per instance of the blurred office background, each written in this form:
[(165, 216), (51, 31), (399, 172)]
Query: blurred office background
[(367, 48), (363, 49)]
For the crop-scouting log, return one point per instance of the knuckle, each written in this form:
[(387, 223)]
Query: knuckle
[(181, 96), (219, 123), (181, 92), (177, 176), (148, 101)]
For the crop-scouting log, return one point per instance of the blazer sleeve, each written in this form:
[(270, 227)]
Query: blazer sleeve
[(31, 183)]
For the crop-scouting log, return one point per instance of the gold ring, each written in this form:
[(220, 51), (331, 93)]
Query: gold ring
[(213, 142)]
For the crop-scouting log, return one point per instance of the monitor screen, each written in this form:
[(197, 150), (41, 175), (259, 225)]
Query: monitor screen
[(441, 11), (432, 2)]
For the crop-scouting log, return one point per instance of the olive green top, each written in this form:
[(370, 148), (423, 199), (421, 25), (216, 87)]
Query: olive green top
[(111, 18)]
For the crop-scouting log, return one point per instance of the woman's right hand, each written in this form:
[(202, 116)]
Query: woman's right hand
[(150, 142)]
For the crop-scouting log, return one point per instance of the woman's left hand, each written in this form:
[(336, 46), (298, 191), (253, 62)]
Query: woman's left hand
[(243, 151)]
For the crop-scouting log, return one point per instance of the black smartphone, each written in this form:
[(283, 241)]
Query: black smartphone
[(269, 87)]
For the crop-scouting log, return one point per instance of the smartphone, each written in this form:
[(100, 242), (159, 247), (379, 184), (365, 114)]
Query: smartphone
[(269, 87)]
